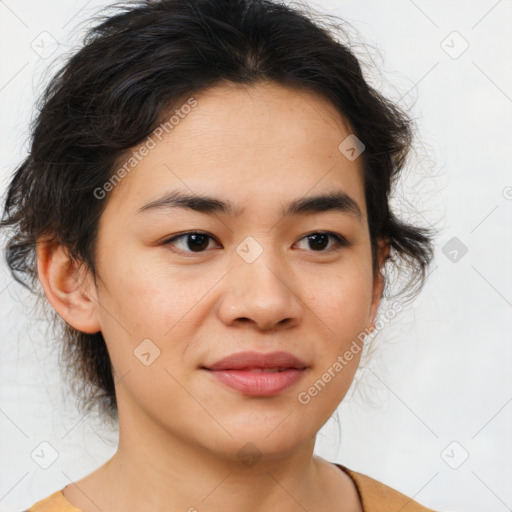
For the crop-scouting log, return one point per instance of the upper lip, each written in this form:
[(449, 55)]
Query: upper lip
[(243, 360)]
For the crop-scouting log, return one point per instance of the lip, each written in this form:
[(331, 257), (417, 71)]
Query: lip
[(234, 371), (243, 360)]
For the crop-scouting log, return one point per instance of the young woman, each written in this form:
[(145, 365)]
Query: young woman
[(205, 206)]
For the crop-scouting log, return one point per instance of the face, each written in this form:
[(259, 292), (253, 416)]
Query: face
[(182, 287)]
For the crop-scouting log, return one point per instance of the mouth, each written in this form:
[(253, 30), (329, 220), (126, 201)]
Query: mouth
[(256, 370), (258, 381), (273, 361), (258, 374)]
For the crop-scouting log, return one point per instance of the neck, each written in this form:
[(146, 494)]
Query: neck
[(161, 470)]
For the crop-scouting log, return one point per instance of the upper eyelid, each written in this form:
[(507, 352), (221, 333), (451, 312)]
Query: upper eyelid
[(342, 242)]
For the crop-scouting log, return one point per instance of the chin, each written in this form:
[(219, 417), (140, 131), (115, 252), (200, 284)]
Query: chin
[(270, 440)]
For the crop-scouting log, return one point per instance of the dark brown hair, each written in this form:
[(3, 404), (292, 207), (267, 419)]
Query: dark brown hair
[(133, 67)]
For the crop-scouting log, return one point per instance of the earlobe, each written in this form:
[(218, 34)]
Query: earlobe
[(69, 290)]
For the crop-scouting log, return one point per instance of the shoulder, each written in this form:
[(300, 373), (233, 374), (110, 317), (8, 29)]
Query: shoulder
[(378, 497), (56, 502), (375, 497)]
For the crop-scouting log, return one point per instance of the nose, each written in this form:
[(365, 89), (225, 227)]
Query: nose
[(260, 293)]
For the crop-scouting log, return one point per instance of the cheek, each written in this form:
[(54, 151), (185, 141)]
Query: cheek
[(341, 298), (342, 303), (144, 300), (140, 304)]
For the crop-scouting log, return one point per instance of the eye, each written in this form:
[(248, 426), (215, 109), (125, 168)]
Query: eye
[(320, 240), (190, 242), (197, 242)]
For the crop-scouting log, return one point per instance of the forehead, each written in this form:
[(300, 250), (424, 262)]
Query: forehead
[(265, 141)]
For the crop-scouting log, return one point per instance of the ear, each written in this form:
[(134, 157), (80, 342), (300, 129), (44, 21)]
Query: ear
[(70, 290), (378, 281)]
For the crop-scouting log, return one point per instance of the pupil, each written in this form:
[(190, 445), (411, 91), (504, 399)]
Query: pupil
[(323, 235), (198, 242)]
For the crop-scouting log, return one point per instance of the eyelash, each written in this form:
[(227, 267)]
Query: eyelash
[(340, 240)]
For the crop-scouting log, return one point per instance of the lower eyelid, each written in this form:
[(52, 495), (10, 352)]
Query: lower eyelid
[(340, 240)]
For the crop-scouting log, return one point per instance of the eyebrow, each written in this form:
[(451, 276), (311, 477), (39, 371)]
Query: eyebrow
[(338, 201)]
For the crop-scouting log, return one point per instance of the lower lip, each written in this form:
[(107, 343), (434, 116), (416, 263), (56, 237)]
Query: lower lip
[(258, 383)]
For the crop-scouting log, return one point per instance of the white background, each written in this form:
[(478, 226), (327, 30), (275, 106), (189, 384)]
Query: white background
[(440, 386)]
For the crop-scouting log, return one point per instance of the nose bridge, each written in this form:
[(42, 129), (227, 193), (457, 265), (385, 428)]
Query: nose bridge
[(260, 289), (261, 269)]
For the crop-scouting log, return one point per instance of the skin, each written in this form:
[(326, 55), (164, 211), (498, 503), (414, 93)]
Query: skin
[(179, 428)]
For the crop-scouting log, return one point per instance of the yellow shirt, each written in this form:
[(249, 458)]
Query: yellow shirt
[(375, 497)]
